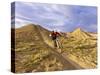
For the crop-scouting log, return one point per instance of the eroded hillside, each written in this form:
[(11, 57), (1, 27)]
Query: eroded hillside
[(81, 47), (34, 50)]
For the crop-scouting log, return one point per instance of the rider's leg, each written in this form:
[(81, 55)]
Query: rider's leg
[(55, 44)]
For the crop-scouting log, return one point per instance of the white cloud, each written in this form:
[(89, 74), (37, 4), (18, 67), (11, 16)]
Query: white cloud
[(20, 22), (53, 13), (93, 26)]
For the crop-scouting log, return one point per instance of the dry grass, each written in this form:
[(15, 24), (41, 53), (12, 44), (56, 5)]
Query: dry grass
[(32, 54)]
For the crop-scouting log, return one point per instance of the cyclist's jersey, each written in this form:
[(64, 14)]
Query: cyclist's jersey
[(54, 35)]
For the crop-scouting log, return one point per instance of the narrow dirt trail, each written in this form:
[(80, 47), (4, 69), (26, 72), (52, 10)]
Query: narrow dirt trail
[(68, 64)]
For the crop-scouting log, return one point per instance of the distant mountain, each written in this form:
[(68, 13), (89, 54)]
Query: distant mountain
[(80, 34)]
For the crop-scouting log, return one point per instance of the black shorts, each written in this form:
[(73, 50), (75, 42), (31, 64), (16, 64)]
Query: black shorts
[(53, 38)]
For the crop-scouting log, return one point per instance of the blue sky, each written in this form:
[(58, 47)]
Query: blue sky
[(59, 17)]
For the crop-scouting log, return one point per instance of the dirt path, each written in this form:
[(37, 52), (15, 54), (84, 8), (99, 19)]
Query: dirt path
[(69, 64)]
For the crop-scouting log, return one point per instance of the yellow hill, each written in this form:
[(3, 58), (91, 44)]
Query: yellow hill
[(80, 34)]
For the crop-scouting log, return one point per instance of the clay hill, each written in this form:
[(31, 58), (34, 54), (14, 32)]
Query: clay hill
[(35, 52)]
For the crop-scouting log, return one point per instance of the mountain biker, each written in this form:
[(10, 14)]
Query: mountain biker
[(54, 35)]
